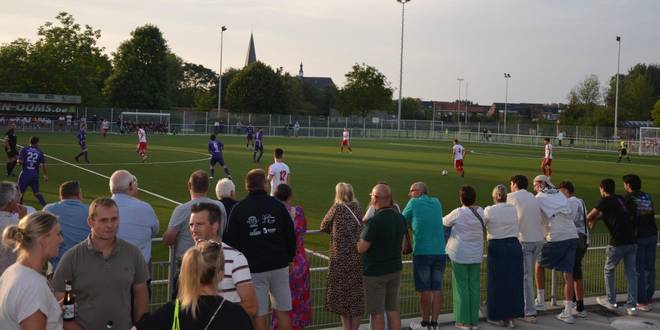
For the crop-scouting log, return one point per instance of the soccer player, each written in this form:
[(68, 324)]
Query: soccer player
[(278, 172), (142, 143), (546, 163), (623, 151), (258, 145), (105, 127), (249, 130), (215, 149), (30, 159), (10, 148), (82, 142), (458, 153), (345, 141)]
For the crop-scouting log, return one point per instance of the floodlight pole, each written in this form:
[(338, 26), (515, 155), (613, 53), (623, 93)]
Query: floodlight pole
[(506, 97), (616, 97), (466, 102), (222, 30), (403, 11), (458, 101)]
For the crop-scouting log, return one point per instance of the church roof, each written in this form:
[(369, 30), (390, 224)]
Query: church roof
[(251, 53), (319, 82)]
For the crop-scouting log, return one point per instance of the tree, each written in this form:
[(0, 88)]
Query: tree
[(656, 114), (366, 90), (64, 60), (257, 89), (197, 83), (411, 108), (638, 91), (586, 92), (15, 66), (146, 73)]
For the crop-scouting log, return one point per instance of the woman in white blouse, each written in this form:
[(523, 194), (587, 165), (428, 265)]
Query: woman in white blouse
[(505, 261), (465, 249), (26, 300)]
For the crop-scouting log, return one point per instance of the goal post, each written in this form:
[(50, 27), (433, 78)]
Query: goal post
[(159, 122), (649, 141)]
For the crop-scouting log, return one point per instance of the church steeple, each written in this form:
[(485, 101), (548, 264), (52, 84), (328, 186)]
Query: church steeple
[(300, 73), (251, 53)]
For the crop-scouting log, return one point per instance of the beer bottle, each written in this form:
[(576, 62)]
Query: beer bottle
[(69, 303)]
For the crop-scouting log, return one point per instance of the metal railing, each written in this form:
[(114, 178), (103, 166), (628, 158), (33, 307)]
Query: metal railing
[(592, 265)]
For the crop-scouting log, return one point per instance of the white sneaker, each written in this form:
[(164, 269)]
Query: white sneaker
[(606, 303), (566, 317), (632, 311), (644, 307), (416, 325), (582, 314), (539, 305)]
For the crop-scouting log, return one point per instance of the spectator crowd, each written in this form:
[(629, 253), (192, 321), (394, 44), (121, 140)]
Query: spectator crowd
[(241, 264)]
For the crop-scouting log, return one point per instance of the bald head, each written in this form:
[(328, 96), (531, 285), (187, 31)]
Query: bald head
[(381, 196), (123, 182)]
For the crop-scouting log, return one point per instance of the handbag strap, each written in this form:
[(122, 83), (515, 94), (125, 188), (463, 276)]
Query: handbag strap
[(353, 214), (476, 214), (175, 319), (213, 316)]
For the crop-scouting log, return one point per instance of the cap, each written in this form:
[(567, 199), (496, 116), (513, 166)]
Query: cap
[(545, 179)]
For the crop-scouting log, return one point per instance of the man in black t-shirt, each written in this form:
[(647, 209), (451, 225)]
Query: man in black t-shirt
[(622, 246), (10, 148), (642, 211)]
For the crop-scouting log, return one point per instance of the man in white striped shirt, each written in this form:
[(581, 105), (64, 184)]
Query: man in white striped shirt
[(236, 286)]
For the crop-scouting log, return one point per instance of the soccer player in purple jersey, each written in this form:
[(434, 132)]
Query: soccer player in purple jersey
[(258, 145), (30, 159), (82, 142), (249, 130), (215, 149)]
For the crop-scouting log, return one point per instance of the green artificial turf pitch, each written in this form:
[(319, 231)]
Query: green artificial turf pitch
[(317, 165)]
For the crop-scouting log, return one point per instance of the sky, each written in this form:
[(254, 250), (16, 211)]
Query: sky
[(547, 46)]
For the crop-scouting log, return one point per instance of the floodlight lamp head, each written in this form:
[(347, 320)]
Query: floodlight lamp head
[(618, 38), (403, 1), (223, 28)]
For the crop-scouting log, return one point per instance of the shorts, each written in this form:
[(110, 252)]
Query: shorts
[(345, 143), (258, 147), (580, 251), (381, 293), (142, 146), (458, 164), (104, 130), (250, 137), (12, 153), (217, 160), (546, 162), (83, 146), (25, 181), (623, 152), (428, 271), (274, 283), (559, 255)]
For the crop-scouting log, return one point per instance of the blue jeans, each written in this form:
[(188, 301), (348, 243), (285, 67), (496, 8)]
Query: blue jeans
[(615, 254), (646, 251), (531, 254)]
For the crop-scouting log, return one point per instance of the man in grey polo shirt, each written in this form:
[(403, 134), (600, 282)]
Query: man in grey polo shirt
[(177, 233), (104, 271)]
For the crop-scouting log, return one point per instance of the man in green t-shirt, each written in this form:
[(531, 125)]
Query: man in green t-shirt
[(380, 245)]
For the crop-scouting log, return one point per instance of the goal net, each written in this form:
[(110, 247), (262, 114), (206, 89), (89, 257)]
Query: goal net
[(153, 122), (649, 141)]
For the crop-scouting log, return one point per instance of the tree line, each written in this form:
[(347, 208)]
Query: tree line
[(591, 104), (144, 73)]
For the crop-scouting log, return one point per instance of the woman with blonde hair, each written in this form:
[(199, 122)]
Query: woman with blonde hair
[(344, 291), (26, 300), (198, 305)]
